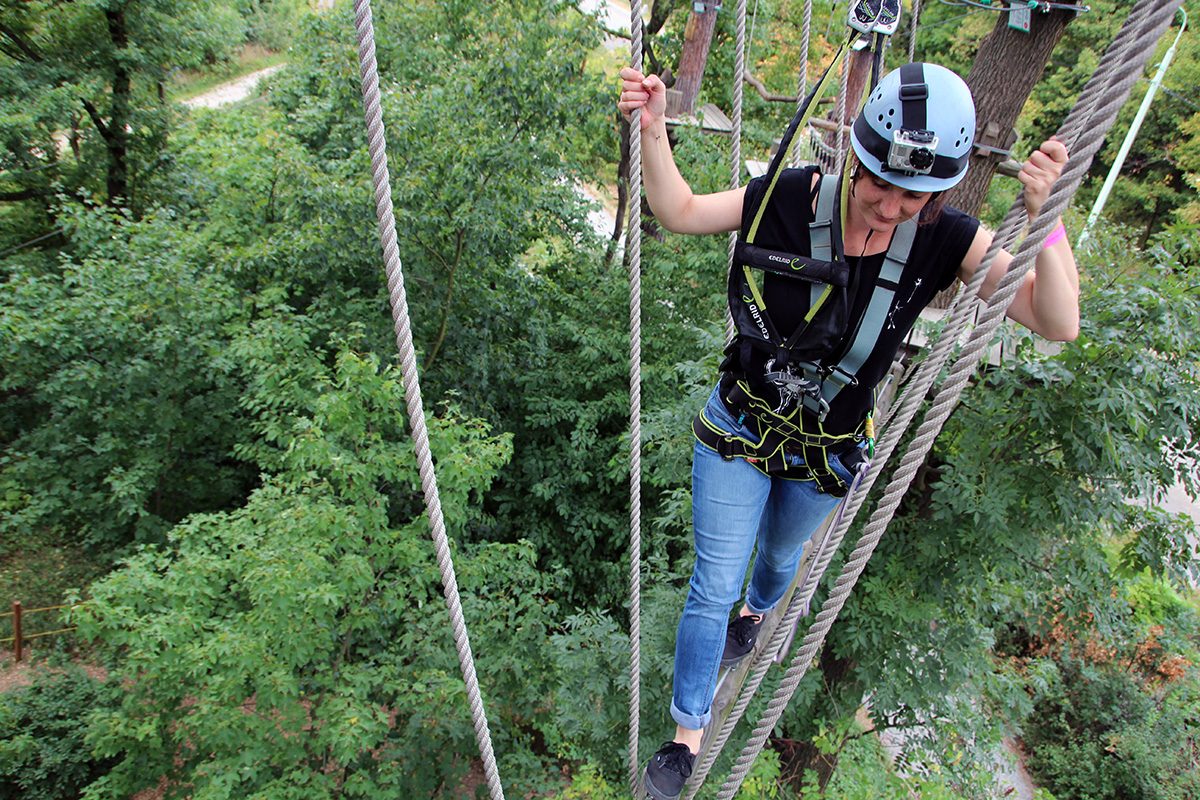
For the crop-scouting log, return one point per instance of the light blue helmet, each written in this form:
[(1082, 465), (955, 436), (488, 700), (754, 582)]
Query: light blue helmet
[(916, 128)]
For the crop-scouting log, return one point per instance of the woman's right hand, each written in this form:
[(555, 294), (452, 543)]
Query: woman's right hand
[(646, 92)]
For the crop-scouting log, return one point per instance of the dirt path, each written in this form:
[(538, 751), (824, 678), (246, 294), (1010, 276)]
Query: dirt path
[(232, 91)]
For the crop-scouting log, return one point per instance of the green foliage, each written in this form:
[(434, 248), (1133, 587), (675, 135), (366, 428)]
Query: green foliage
[(119, 412), (82, 109), (310, 609), (272, 23), (865, 772), (43, 753), (1101, 737), (588, 783)]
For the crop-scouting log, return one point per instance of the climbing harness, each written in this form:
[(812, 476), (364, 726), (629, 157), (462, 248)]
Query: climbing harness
[(791, 441), (806, 371)]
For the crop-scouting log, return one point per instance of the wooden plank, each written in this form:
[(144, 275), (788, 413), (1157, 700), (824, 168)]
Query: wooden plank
[(709, 119), (714, 119)]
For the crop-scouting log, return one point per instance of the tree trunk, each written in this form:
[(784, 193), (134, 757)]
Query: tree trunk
[(1007, 66), (116, 138), (859, 65), (697, 39), (659, 11)]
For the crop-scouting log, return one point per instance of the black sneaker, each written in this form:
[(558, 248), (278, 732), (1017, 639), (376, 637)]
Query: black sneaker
[(668, 770), (739, 638)]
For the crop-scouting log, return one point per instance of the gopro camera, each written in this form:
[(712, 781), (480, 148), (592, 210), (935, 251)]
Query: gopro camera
[(874, 16), (912, 151)]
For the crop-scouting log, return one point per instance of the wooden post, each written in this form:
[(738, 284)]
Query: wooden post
[(17, 630), (859, 64), (697, 39)]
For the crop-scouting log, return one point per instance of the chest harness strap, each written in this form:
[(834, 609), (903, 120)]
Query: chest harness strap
[(778, 436)]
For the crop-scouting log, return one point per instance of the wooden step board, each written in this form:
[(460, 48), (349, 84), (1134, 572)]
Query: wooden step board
[(707, 118)]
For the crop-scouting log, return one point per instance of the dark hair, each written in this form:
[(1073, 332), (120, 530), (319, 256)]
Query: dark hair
[(932, 211)]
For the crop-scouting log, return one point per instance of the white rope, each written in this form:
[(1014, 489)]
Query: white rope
[(633, 246), (735, 145), (1126, 57), (373, 114), (840, 114), (802, 83)]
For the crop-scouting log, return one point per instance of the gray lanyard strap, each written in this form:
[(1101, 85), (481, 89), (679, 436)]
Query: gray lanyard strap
[(882, 297)]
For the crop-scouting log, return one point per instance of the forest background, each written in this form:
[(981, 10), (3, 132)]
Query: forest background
[(204, 450)]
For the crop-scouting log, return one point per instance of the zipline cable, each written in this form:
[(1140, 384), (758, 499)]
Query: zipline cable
[(1112, 94), (633, 248), (912, 34), (373, 114)]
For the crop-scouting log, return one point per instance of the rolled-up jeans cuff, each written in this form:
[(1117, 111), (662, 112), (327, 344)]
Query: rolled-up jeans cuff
[(756, 611), (690, 721)]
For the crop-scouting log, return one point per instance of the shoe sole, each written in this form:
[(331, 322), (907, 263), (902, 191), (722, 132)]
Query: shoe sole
[(653, 791), (733, 662)]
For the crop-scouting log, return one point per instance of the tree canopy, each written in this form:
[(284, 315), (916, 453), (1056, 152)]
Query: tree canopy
[(198, 391)]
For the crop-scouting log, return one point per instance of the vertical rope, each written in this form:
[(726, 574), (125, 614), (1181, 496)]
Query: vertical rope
[(805, 46), (912, 34), (633, 246), (1128, 63), (840, 114), (753, 25), (369, 70), (735, 145), (802, 83)]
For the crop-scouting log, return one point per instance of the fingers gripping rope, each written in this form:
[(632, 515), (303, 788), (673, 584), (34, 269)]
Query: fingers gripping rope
[(412, 391), (1102, 98), (633, 247)]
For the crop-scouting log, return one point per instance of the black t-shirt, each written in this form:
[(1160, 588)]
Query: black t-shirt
[(937, 252)]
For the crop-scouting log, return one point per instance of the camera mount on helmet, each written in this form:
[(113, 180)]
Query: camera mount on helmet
[(912, 151)]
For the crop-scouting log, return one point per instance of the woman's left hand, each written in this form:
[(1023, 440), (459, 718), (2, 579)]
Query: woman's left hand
[(1040, 171)]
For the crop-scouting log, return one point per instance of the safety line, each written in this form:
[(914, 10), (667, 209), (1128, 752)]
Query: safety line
[(373, 115), (633, 247)]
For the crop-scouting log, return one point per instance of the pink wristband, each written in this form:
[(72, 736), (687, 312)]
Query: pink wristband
[(1058, 233)]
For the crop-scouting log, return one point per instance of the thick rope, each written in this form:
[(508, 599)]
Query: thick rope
[(802, 83), (840, 115), (1133, 55), (369, 70), (633, 247), (735, 145)]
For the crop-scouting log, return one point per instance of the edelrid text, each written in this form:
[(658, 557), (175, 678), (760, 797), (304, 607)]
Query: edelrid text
[(794, 263), (758, 320)]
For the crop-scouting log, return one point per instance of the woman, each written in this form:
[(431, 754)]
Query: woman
[(782, 434)]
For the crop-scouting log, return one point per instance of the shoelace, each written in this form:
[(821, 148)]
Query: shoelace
[(743, 627), (677, 758)]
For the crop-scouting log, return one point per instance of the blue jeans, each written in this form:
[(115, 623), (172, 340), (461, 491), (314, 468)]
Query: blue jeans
[(733, 507)]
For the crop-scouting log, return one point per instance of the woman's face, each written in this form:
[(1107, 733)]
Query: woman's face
[(883, 205)]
